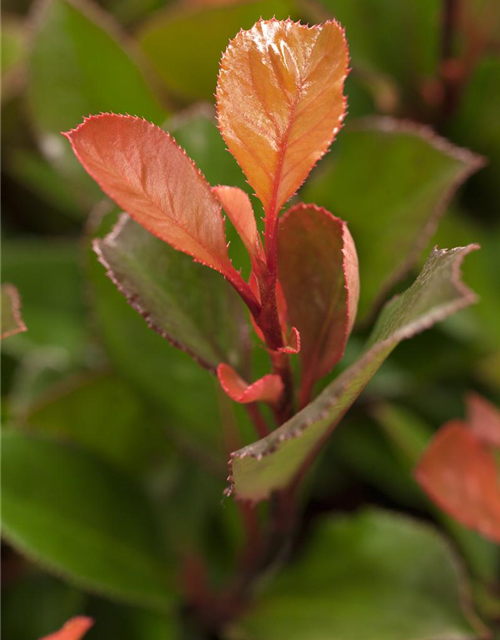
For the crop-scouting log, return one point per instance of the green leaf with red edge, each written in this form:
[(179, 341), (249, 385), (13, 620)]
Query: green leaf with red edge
[(74, 629), (191, 306), (370, 575), (12, 322), (274, 462), (484, 419), (391, 181), (460, 474), (266, 389), (280, 102), (143, 169), (318, 270)]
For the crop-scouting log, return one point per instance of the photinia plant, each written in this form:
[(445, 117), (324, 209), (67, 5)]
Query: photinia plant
[(280, 105)]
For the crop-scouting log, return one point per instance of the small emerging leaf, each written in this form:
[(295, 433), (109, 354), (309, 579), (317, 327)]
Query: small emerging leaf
[(141, 167), (461, 476), (266, 389), (484, 419), (273, 462), (12, 322), (74, 629), (318, 270), (280, 102)]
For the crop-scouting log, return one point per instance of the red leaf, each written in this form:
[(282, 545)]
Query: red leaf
[(280, 303), (266, 389), (147, 174), (484, 419), (280, 102), (74, 629), (459, 473), (293, 343), (318, 270), (238, 207)]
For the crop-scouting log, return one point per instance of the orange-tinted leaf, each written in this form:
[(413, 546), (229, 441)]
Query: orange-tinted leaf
[(238, 207), (318, 270), (293, 343), (280, 102), (266, 389), (143, 169), (484, 419), (459, 473), (74, 629)]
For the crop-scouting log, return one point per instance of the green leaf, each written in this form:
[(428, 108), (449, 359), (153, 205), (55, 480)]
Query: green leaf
[(375, 575), (12, 322), (191, 306), (191, 71), (102, 413), (13, 54), (80, 64), (393, 211), (83, 519), (272, 463)]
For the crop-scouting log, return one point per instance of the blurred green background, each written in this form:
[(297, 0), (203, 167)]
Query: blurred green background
[(89, 373)]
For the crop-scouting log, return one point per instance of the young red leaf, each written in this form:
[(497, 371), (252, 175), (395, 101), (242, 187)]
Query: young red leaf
[(74, 629), (143, 169), (293, 343), (280, 303), (460, 475), (484, 419), (266, 389), (12, 322), (318, 270), (280, 102), (238, 207)]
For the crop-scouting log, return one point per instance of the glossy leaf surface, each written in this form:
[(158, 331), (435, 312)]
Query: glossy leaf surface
[(83, 519), (459, 473), (142, 168), (391, 182), (74, 629), (189, 305), (367, 586), (12, 322), (266, 389), (280, 102), (318, 270), (170, 34), (273, 462)]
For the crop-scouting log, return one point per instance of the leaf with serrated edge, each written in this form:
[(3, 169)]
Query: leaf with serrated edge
[(192, 307), (392, 212), (12, 322), (238, 207), (484, 419), (74, 629), (142, 168), (273, 462), (460, 475), (280, 102), (266, 389), (318, 270)]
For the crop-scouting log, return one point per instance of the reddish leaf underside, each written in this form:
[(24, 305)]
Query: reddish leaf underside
[(484, 419), (318, 270), (74, 629), (459, 473), (238, 207), (266, 389), (280, 102), (147, 174)]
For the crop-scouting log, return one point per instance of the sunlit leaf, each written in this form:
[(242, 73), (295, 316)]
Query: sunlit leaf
[(280, 103), (318, 270), (12, 322), (74, 629), (273, 462), (83, 519), (461, 476), (169, 35), (192, 307), (392, 210), (370, 575)]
